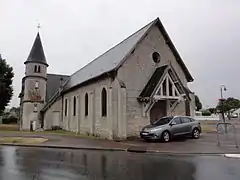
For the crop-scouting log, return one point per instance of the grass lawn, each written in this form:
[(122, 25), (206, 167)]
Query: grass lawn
[(208, 129), (68, 133), (208, 126), (22, 140), (9, 127), (211, 122)]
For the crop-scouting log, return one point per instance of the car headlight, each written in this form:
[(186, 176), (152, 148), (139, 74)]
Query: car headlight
[(154, 130)]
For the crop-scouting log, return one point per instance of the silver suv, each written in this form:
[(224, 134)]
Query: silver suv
[(167, 127)]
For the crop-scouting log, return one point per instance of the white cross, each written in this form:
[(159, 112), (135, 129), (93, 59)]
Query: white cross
[(38, 26)]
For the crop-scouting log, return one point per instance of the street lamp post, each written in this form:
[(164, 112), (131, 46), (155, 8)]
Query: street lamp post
[(222, 88)]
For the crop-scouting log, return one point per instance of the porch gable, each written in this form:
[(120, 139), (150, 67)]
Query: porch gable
[(163, 84)]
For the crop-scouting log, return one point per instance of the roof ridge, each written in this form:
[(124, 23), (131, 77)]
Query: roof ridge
[(115, 46), (57, 74)]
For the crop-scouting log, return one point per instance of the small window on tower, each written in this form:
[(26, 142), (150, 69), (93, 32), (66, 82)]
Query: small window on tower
[(35, 108), (39, 69), (35, 69), (36, 85)]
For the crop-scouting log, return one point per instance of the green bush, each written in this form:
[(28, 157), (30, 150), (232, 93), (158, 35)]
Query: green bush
[(10, 120), (206, 113)]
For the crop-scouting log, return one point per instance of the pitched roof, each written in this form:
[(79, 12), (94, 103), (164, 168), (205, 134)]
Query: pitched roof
[(54, 82), (153, 82), (107, 61), (37, 53), (113, 58)]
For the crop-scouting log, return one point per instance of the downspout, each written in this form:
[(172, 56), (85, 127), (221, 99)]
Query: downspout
[(62, 96), (62, 110)]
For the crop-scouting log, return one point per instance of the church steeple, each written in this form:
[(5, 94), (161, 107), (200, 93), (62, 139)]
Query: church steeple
[(34, 85), (37, 53)]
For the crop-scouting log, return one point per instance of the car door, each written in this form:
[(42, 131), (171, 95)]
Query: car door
[(186, 125), (176, 126)]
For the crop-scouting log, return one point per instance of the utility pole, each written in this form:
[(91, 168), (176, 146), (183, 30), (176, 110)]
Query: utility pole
[(222, 87)]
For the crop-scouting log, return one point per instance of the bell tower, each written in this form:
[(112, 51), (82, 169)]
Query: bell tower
[(32, 97)]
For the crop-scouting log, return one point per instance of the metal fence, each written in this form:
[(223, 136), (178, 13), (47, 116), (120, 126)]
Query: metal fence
[(226, 133)]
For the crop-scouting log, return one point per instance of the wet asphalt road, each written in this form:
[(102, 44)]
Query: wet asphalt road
[(56, 164)]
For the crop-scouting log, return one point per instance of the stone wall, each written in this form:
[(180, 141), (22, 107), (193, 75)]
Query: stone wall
[(49, 114), (93, 123), (136, 72), (30, 95)]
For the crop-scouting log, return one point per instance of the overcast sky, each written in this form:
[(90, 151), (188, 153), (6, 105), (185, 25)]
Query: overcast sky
[(74, 32)]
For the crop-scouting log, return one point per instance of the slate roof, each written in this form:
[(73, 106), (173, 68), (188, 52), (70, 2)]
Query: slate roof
[(113, 58), (153, 81), (54, 81), (37, 53), (107, 61)]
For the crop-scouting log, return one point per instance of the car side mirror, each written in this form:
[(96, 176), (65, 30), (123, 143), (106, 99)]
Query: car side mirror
[(173, 123)]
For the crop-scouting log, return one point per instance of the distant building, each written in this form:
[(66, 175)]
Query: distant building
[(198, 113), (137, 81), (236, 113)]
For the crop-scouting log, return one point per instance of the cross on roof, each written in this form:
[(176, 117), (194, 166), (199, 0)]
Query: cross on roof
[(38, 26)]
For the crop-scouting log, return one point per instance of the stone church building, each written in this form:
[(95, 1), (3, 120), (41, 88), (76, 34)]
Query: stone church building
[(135, 82)]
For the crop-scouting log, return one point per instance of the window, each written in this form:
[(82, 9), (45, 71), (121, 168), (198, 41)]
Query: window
[(74, 106), (35, 69), (86, 104), (192, 120), (39, 69), (36, 85), (35, 108), (104, 102), (66, 107), (162, 121), (177, 120), (156, 57), (185, 120)]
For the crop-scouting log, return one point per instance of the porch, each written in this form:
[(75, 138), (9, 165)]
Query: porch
[(165, 95)]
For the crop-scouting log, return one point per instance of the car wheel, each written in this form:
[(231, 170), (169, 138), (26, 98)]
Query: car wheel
[(195, 133), (166, 136)]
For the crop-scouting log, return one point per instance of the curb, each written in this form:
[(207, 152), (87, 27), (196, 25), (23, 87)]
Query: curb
[(179, 153), (137, 150), (131, 150), (63, 147)]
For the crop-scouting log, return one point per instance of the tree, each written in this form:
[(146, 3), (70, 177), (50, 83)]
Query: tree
[(228, 105), (198, 103), (212, 110), (206, 112), (6, 79)]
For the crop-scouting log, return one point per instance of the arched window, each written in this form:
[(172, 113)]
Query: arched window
[(39, 69), (74, 106), (86, 104), (66, 106), (35, 68), (104, 102)]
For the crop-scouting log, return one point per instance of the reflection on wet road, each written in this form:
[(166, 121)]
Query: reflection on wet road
[(57, 164)]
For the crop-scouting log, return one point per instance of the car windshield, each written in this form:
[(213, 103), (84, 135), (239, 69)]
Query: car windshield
[(162, 121)]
